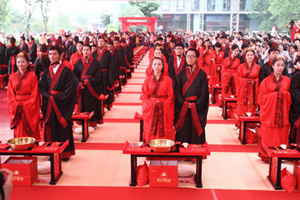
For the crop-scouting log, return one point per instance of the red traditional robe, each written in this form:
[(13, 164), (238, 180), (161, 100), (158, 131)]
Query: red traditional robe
[(215, 74), (247, 90), (207, 63), (228, 73), (24, 104), (149, 70), (74, 58), (158, 108), (275, 101)]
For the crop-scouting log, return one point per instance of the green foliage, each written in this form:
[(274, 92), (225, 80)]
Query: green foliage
[(261, 13), (283, 11), (15, 22), (112, 27), (62, 21), (4, 10), (105, 19), (147, 7), (131, 11)]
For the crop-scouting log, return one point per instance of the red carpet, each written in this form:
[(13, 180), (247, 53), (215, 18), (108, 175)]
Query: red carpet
[(143, 193), (122, 120), (126, 104), (212, 148)]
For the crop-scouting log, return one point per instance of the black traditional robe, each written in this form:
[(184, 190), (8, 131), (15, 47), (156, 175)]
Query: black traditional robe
[(10, 54), (105, 60), (174, 69), (39, 67), (58, 101), (118, 62), (23, 47), (89, 75), (33, 52), (3, 61), (190, 122), (295, 109)]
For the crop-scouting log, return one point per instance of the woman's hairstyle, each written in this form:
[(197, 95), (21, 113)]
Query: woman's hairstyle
[(162, 62), (277, 58), (281, 44), (250, 49), (24, 55), (158, 48), (234, 47)]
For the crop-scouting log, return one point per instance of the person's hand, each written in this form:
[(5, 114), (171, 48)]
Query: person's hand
[(7, 186), (190, 105)]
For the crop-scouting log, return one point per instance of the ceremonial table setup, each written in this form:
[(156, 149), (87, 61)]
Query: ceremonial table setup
[(225, 101), (195, 151), (52, 149), (277, 155), (243, 122), (83, 118)]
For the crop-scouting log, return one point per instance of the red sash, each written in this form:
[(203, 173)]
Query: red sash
[(51, 102), (185, 107), (178, 69), (100, 54)]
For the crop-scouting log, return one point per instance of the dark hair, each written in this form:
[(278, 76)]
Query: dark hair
[(80, 42), (53, 48), (43, 49), (218, 45), (158, 48), (294, 46), (12, 40), (234, 47), (284, 47), (250, 49), (162, 61), (277, 58), (272, 49), (76, 39), (245, 45), (87, 45), (179, 45), (25, 55), (194, 50)]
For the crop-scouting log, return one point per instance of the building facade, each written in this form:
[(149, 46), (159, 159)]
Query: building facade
[(206, 15)]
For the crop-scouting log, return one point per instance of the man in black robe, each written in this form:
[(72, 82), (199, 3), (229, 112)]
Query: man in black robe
[(87, 76), (295, 109), (118, 57), (32, 50), (23, 46), (10, 53), (104, 58), (176, 63), (191, 101), (129, 48), (3, 61), (58, 91)]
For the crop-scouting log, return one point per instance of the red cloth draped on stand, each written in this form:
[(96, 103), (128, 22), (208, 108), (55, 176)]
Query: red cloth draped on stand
[(158, 108), (24, 104), (274, 100)]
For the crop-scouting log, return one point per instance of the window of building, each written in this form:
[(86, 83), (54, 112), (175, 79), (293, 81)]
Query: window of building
[(211, 4), (180, 5), (165, 5), (242, 5), (226, 5), (195, 5)]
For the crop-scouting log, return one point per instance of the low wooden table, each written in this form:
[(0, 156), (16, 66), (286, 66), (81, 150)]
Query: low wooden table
[(83, 118), (52, 149), (225, 105), (243, 121), (214, 89), (194, 151), (277, 155)]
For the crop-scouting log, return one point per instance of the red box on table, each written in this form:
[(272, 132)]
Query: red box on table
[(24, 169), (163, 173)]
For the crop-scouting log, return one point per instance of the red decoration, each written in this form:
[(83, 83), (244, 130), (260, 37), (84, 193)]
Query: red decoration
[(138, 21)]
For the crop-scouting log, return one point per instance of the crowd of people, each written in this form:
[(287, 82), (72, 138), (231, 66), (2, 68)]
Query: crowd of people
[(77, 73)]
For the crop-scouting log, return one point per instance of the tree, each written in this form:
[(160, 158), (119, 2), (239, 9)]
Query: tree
[(45, 8), (4, 10), (29, 9), (105, 19), (131, 11), (283, 11), (147, 7), (15, 22), (259, 13)]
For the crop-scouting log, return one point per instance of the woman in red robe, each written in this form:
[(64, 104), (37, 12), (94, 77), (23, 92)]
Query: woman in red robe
[(158, 53), (158, 104), (247, 81), (208, 57), (216, 65), (23, 99), (275, 101), (229, 68)]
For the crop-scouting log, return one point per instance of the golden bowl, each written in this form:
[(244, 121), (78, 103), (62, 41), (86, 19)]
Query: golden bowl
[(21, 143), (161, 145)]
